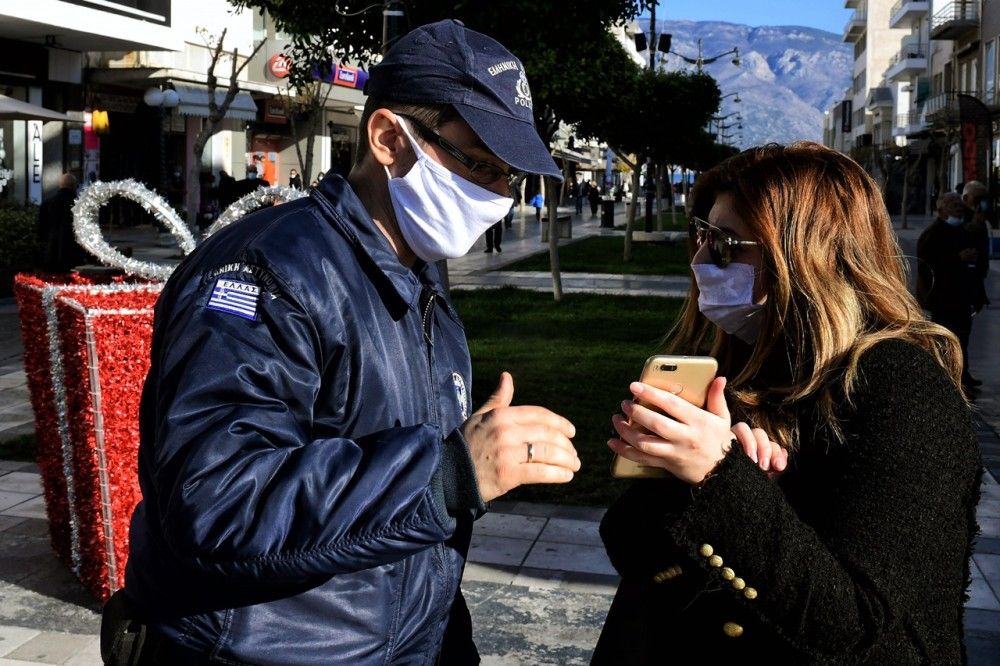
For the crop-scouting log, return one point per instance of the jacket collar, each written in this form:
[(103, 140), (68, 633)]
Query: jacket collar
[(342, 207)]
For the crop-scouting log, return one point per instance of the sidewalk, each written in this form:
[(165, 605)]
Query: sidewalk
[(538, 582)]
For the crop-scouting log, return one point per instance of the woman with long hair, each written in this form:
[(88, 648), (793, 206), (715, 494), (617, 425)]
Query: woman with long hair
[(858, 551)]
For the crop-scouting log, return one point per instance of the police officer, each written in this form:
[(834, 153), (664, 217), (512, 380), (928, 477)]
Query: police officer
[(309, 461)]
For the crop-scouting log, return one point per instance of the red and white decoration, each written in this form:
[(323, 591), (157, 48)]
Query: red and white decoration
[(86, 355)]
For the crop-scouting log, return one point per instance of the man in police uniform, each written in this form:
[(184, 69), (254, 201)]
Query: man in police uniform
[(309, 464)]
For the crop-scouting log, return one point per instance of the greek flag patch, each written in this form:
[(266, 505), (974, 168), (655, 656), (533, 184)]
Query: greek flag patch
[(235, 297)]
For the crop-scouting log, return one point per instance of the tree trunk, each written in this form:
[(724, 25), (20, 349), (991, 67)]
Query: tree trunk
[(550, 196), (630, 221), (659, 197)]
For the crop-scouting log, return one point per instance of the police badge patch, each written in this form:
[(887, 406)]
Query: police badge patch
[(235, 297), (461, 394)]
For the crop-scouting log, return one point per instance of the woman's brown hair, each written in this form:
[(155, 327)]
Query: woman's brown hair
[(835, 281)]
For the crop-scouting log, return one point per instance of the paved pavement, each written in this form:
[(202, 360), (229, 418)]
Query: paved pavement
[(538, 582)]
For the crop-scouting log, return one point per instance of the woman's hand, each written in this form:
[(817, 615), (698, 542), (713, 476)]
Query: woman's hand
[(685, 440), (768, 455)]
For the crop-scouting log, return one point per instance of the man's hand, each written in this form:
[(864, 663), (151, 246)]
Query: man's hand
[(500, 438)]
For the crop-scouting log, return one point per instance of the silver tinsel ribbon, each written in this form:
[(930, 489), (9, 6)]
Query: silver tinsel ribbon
[(88, 230), (262, 196)]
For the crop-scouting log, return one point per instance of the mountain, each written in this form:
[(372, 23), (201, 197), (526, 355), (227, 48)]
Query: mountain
[(787, 76)]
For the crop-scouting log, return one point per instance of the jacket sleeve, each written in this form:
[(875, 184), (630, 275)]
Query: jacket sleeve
[(894, 526), (244, 485)]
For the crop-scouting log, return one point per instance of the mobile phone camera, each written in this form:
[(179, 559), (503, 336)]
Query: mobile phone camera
[(668, 367)]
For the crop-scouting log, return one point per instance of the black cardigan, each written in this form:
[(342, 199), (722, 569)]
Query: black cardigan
[(859, 553)]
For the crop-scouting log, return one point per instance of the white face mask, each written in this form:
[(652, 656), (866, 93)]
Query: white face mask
[(726, 298), (953, 221), (439, 213)]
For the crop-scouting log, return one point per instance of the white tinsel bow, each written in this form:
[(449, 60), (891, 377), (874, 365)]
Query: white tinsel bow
[(92, 197)]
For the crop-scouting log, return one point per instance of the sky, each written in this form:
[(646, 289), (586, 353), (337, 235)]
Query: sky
[(827, 15)]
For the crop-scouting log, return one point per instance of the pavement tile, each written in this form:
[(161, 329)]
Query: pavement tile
[(982, 622), (88, 656), (33, 527), (569, 557), (33, 508), (21, 482), (981, 596), (9, 499), (489, 573), (591, 513), (510, 525), (983, 651), (7, 522), (988, 545), (12, 638), (990, 528), (498, 550), (15, 379), (51, 647), (583, 583), (535, 509), (540, 579), (10, 466), (565, 530)]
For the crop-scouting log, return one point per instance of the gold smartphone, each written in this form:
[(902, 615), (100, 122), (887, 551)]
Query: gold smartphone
[(693, 374)]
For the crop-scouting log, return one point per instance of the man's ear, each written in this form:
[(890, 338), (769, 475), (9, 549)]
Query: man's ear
[(385, 140)]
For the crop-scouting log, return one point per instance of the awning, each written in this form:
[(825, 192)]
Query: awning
[(194, 102), (14, 109)]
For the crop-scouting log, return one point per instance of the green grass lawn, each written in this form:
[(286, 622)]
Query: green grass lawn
[(669, 223), (603, 254), (575, 357)]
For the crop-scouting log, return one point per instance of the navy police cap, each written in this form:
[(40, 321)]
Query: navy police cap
[(446, 63)]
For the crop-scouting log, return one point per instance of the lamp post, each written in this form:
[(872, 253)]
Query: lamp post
[(735, 101), (701, 60)]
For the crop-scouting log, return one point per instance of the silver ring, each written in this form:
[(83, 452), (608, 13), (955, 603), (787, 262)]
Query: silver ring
[(531, 451)]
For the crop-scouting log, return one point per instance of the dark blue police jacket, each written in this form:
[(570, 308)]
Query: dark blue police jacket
[(307, 497)]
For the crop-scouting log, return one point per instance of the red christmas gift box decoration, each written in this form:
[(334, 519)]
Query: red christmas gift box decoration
[(86, 355)]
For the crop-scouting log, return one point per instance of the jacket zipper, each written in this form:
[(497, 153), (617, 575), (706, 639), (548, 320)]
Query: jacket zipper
[(427, 299)]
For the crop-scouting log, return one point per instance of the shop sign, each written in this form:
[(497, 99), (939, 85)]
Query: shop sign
[(279, 65), (275, 111), (35, 147)]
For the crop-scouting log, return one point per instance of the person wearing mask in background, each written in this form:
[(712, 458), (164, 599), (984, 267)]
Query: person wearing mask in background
[(858, 552), (309, 461), (294, 179), (947, 283)]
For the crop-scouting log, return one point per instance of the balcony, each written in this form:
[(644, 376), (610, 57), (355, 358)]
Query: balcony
[(911, 59), (851, 4), (880, 97), (943, 107), (906, 13), (908, 124), (956, 20), (856, 25)]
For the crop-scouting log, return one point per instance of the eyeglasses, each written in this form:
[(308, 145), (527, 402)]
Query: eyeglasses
[(720, 243), (483, 173)]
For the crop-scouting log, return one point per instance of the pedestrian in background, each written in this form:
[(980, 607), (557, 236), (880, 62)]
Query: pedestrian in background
[(579, 194), (858, 552), (493, 237), (60, 250), (309, 459), (538, 201), (594, 196), (294, 179), (947, 281)]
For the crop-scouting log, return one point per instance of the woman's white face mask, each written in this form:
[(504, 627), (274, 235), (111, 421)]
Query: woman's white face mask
[(439, 213), (725, 297)]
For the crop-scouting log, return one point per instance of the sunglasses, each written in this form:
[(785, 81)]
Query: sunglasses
[(483, 173), (721, 244)]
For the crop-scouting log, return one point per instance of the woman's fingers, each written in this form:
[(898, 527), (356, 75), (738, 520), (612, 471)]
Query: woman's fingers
[(763, 449), (767, 454)]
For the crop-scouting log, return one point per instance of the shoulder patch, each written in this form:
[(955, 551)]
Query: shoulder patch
[(235, 297), (461, 394)]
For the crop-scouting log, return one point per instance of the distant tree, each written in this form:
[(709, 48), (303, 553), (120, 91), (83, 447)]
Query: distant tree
[(562, 47), (216, 110)]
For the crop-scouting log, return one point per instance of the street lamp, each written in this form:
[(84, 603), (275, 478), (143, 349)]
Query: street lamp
[(701, 60), (735, 101)]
